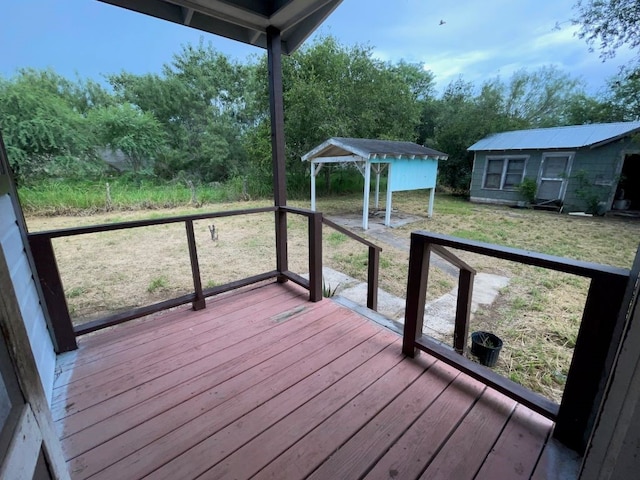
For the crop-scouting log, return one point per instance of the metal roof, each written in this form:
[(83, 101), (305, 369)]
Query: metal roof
[(577, 136), (369, 149), (246, 21)]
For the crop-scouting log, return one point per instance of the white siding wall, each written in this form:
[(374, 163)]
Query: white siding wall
[(23, 284)]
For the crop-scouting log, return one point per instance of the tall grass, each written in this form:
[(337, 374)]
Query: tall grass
[(64, 197)]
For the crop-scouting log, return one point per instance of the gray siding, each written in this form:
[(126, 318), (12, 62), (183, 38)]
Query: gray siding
[(601, 166), (23, 283), (501, 196)]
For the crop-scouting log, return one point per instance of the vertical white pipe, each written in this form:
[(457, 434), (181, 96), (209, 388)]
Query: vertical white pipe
[(387, 211), (432, 196), (313, 187), (377, 186), (367, 187)]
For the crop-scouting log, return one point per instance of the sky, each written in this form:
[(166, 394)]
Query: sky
[(468, 38)]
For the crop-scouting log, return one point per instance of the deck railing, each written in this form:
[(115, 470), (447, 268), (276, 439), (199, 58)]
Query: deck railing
[(315, 230), (65, 332), (598, 338)]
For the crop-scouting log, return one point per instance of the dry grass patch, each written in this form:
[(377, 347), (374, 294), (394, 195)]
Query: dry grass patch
[(537, 315)]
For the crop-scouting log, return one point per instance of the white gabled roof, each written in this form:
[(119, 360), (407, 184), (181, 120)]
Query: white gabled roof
[(366, 149), (576, 136)]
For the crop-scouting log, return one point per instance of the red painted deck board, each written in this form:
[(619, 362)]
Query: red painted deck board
[(264, 384)]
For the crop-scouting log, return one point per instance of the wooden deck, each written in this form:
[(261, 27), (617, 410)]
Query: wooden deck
[(264, 384)]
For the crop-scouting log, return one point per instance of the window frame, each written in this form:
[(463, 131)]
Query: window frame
[(564, 178), (505, 167)]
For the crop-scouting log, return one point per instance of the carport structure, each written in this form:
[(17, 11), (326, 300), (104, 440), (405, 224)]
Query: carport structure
[(409, 167)]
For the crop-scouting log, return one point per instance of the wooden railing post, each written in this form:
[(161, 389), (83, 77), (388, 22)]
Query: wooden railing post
[(463, 310), (199, 302), (315, 257), (372, 278), (45, 260), (419, 254), (592, 361)]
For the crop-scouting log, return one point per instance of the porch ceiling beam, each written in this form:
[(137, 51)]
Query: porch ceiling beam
[(339, 159), (303, 20), (187, 13)]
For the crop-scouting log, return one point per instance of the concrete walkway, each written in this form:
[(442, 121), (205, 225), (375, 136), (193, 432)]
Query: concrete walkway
[(439, 318)]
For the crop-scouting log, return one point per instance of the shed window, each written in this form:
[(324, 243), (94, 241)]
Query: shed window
[(504, 173)]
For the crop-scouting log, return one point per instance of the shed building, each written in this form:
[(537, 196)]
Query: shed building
[(572, 166), (409, 166)]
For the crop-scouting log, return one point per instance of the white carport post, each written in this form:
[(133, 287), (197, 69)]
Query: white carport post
[(367, 187), (377, 169), (387, 211), (314, 173), (432, 196)]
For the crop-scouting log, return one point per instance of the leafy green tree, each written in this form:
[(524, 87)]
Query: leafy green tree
[(125, 128), (336, 90), (42, 130), (582, 109), (465, 114), (624, 94), (200, 102), (538, 98), (609, 24)]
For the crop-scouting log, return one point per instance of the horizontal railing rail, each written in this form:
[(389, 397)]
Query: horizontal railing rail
[(108, 227), (46, 264), (598, 337), (65, 332)]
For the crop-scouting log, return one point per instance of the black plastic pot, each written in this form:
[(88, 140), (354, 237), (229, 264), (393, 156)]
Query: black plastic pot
[(486, 346)]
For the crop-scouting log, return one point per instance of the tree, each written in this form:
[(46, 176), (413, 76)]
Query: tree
[(538, 98), (44, 134), (125, 128), (609, 23), (336, 90), (465, 114), (200, 102), (624, 94)]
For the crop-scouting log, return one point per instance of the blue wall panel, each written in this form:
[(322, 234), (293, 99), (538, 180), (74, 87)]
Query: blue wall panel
[(413, 174)]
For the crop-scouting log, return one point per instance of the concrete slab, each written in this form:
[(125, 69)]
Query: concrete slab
[(439, 317)]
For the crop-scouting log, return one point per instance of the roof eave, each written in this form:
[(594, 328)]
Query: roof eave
[(245, 21)]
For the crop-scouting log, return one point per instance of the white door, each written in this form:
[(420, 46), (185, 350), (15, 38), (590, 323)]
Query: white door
[(554, 174)]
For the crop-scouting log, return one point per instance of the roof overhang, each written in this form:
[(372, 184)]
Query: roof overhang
[(246, 21), (335, 150)]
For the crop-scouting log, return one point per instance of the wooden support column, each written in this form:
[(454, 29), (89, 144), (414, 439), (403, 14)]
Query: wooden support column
[(313, 187), (377, 169), (315, 169), (315, 257), (63, 336), (372, 278), (199, 302), (597, 342), (463, 310), (419, 256), (276, 110)]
